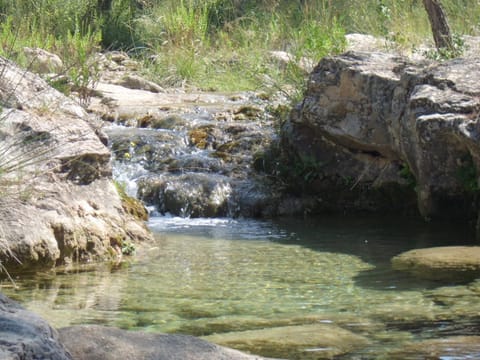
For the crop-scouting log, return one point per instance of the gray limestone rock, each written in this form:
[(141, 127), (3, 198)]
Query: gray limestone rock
[(92, 342), (58, 203), (386, 132), (24, 335)]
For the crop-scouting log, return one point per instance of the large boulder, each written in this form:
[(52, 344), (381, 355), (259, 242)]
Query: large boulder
[(91, 342), (379, 131), (58, 203), (24, 335)]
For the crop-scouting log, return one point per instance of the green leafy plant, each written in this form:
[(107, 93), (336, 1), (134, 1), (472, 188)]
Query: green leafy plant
[(443, 54), (407, 174), (128, 248), (467, 174), (307, 168)]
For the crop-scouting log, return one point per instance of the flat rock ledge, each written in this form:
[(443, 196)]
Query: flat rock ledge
[(92, 342), (448, 263), (307, 342), (455, 347)]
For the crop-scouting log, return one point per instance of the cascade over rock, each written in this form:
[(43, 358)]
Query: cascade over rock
[(384, 132), (58, 203)]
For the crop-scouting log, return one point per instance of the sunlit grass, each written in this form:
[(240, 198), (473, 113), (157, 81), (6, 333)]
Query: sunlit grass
[(216, 44)]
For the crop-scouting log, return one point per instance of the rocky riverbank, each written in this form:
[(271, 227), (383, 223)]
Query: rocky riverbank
[(58, 202), (376, 132), (381, 132)]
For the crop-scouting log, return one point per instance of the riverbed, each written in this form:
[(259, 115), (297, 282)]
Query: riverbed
[(224, 278)]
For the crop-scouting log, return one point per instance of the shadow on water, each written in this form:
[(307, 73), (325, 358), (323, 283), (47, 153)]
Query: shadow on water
[(375, 240)]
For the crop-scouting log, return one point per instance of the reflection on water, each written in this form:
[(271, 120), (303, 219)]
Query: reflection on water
[(206, 276)]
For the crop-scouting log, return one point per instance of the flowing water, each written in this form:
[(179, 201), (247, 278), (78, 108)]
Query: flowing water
[(289, 288), (234, 277)]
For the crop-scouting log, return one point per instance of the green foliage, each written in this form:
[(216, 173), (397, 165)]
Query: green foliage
[(128, 248), (218, 44), (467, 174), (117, 25), (442, 54), (407, 174), (62, 28), (307, 168)]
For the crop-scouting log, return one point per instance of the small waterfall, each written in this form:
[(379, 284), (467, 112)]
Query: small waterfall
[(196, 160)]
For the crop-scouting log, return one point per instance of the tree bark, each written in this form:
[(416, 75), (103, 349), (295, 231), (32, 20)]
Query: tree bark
[(438, 21)]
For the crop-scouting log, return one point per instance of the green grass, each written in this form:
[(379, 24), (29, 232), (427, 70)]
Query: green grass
[(218, 45)]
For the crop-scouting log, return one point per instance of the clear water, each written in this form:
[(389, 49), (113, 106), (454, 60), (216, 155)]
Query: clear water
[(217, 276)]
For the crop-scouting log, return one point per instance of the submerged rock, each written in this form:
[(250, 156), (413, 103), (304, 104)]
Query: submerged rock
[(192, 154), (381, 132), (58, 203), (461, 263), (92, 342), (314, 341), (457, 347), (24, 335)]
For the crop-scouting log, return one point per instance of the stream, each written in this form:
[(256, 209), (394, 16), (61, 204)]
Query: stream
[(287, 287), (224, 278)]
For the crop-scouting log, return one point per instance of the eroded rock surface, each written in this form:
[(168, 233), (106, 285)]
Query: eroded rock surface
[(378, 131), (24, 335), (455, 347), (92, 342), (191, 153), (313, 341), (460, 263), (58, 201)]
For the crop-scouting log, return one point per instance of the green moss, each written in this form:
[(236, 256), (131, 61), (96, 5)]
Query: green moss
[(467, 175), (131, 205), (407, 174)]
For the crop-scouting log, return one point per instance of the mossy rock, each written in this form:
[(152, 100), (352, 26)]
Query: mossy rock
[(169, 122), (455, 347), (198, 137), (145, 121), (247, 111), (229, 147), (131, 205), (312, 341), (226, 150), (135, 208), (448, 263), (222, 155), (201, 137)]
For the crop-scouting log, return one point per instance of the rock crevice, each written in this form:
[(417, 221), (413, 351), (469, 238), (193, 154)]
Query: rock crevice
[(383, 121)]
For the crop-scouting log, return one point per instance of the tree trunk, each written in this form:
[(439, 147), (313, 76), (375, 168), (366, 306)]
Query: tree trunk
[(438, 21)]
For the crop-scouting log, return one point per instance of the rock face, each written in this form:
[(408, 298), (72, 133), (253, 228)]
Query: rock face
[(26, 336), (377, 132), (58, 201), (43, 62), (102, 343), (461, 263)]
